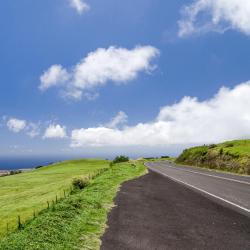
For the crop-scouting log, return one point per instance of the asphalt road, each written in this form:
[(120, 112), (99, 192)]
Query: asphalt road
[(227, 189), (157, 213)]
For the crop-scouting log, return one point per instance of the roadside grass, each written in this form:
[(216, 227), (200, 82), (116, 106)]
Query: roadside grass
[(230, 156), (78, 221), (28, 193), (171, 159)]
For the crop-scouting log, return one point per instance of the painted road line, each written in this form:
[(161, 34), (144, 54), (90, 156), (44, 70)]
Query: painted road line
[(203, 191), (210, 175)]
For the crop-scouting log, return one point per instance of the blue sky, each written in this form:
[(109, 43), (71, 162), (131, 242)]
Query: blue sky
[(129, 94)]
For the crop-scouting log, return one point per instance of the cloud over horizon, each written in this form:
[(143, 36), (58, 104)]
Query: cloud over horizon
[(226, 116), (203, 16), (16, 125), (114, 64), (55, 131)]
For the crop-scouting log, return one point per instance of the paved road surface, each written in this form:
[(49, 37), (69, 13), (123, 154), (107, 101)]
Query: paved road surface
[(230, 190), (157, 213)]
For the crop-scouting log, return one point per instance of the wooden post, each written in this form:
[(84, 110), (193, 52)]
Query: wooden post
[(19, 222)]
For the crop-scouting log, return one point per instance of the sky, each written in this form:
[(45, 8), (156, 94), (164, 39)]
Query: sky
[(96, 78)]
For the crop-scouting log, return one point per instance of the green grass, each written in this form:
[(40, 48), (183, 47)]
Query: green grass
[(78, 221), (232, 156), (25, 193)]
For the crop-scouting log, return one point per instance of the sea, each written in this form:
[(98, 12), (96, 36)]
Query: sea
[(26, 163)]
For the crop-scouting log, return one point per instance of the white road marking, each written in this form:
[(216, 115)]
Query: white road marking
[(210, 175), (203, 191)]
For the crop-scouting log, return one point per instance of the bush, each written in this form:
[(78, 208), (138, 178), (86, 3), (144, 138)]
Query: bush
[(80, 183), (13, 172), (120, 158), (165, 157)]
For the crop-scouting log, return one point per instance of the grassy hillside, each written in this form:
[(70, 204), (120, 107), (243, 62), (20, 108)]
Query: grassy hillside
[(233, 156), (26, 193), (78, 221)]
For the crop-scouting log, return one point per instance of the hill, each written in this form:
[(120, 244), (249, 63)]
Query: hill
[(232, 156), (28, 193), (78, 219)]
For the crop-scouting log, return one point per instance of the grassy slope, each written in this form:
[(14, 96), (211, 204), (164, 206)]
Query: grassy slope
[(25, 193), (78, 221), (233, 156)]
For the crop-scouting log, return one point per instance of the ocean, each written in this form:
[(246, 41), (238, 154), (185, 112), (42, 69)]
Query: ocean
[(26, 163)]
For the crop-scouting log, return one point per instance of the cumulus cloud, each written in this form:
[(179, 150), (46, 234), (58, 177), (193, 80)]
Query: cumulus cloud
[(120, 119), (226, 116), (215, 15), (118, 65), (16, 125), (79, 5), (55, 131), (55, 75)]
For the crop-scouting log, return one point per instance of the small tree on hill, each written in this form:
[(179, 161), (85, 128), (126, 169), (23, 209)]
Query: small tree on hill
[(120, 158)]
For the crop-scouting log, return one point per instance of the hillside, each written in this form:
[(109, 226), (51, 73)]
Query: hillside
[(28, 193), (232, 156), (78, 220)]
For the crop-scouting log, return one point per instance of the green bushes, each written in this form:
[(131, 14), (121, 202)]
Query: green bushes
[(80, 183), (120, 159), (229, 156)]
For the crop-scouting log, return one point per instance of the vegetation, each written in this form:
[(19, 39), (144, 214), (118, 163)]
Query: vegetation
[(121, 158), (232, 156), (28, 193), (77, 221)]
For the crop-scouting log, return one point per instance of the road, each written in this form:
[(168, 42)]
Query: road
[(227, 189), (155, 212)]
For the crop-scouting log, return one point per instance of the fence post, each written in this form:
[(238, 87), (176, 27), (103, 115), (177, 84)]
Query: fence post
[(19, 222)]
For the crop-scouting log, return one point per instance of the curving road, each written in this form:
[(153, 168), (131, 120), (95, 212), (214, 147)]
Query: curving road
[(227, 189)]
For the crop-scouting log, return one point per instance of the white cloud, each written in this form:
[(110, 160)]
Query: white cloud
[(226, 116), (55, 131), (120, 119), (33, 130), (119, 65), (79, 5), (215, 15), (55, 75), (16, 125)]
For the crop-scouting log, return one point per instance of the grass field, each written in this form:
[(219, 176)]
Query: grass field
[(78, 221), (232, 156), (26, 193)]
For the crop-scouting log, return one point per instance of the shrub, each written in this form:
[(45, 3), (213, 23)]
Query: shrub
[(165, 157), (13, 172), (120, 158), (80, 183)]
